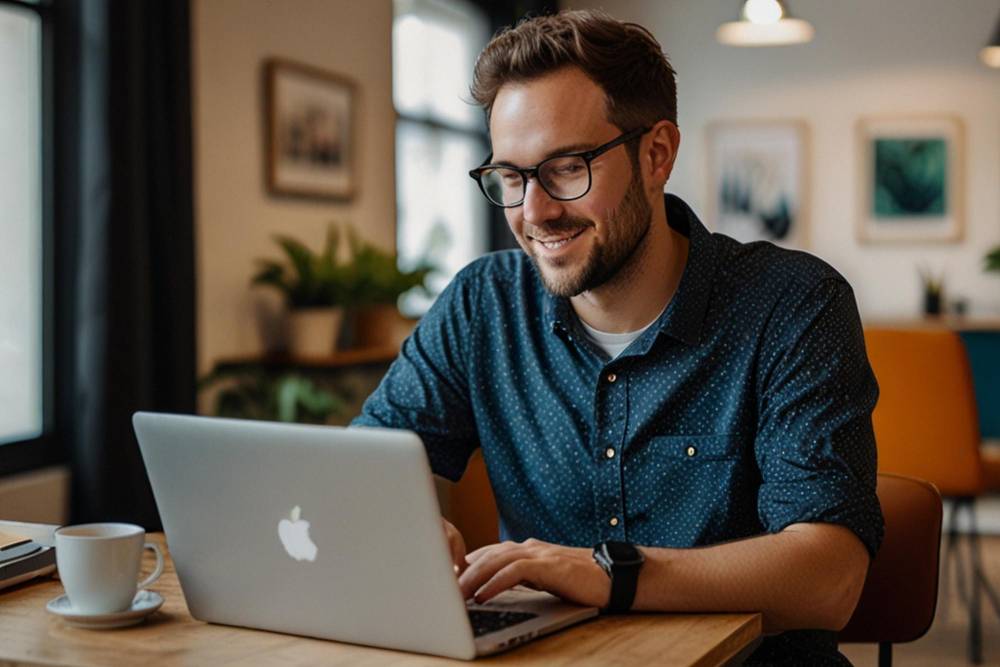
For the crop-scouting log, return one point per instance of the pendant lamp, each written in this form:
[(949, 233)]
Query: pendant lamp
[(991, 52), (765, 23)]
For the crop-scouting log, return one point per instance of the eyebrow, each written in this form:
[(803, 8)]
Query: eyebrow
[(560, 150)]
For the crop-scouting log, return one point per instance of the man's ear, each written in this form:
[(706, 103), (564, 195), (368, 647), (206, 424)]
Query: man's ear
[(661, 150)]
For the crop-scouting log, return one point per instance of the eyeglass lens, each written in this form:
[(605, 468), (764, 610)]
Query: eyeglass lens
[(564, 177)]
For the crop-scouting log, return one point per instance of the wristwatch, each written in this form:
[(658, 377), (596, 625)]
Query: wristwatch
[(621, 561)]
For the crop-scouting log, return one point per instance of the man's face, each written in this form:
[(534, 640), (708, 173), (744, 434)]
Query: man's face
[(577, 245)]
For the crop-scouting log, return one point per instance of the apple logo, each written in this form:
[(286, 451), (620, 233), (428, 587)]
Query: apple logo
[(294, 537)]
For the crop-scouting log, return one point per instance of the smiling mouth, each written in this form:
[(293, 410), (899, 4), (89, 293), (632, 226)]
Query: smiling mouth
[(555, 244)]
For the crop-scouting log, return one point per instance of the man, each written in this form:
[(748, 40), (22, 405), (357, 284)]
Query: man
[(634, 381)]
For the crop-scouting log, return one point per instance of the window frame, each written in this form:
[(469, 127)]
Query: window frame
[(32, 453), (496, 233)]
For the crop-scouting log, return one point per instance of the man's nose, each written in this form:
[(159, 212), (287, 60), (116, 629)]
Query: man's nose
[(538, 205)]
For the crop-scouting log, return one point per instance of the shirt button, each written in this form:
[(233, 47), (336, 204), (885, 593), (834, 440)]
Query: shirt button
[(691, 451), (610, 452), (612, 377), (614, 521)]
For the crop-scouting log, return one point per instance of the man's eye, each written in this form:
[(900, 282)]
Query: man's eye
[(511, 178), (568, 169)]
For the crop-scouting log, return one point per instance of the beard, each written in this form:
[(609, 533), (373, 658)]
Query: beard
[(627, 226)]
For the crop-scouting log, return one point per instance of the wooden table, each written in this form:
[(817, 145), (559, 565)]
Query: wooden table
[(31, 636)]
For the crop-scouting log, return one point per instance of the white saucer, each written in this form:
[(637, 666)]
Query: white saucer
[(143, 604)]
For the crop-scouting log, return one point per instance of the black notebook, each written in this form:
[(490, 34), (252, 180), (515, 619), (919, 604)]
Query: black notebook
[(22, 559)]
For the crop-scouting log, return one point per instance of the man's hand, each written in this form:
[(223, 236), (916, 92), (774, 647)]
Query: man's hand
[(456, 545), (567, 572)]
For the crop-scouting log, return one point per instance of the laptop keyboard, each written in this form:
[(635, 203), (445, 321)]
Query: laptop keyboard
[(484, 621)]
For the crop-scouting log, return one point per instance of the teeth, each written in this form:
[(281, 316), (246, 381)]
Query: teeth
[(552, 245)]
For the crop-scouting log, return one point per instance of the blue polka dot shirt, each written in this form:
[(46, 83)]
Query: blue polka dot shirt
[(746, 407)]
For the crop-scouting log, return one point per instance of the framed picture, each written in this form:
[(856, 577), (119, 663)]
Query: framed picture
[(310, 131), (910, 171), (757, 180)]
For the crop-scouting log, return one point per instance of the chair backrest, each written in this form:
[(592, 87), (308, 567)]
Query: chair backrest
[(472, 507), (900, 595), (925, 422), (983, 348)]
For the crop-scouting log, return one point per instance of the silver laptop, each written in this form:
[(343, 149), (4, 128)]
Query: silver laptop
[(325, 532)]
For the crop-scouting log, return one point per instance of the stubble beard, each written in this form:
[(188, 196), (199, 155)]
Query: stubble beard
[(627, 227)]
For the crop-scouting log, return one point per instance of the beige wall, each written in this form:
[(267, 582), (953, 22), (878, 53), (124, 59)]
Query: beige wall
[(868, 58), (235, 217), (40, 496)]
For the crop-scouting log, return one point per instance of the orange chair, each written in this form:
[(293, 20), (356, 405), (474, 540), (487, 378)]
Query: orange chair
[(898, 601), (471, 506), (926, 426)]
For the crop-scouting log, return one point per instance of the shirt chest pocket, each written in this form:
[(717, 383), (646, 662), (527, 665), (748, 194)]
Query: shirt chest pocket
[(695, 449), (689, 490)]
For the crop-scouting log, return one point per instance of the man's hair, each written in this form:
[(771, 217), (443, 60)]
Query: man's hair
[(624, 59)]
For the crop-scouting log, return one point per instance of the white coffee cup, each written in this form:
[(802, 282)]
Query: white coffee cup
[(99, 564)]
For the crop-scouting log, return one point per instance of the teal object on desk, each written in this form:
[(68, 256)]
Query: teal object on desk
[(983, 348)]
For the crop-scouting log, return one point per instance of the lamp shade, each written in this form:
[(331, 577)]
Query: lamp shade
[(990, 53), (765, 23)]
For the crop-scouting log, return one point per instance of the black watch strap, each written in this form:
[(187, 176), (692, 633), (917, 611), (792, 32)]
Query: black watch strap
[(623, 585), (622, 562)]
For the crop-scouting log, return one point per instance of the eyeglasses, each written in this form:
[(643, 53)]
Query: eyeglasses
[(564, 177)]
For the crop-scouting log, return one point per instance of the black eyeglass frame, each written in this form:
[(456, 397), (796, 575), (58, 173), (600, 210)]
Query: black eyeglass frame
[(528, 172)]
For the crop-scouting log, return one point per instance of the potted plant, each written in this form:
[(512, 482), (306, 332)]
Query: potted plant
[(316, 289), (992, 260), (377, 282), (933, 291), (253, 393)]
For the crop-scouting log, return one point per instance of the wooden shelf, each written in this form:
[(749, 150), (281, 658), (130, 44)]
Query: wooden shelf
[(951, 322), (340, 359)]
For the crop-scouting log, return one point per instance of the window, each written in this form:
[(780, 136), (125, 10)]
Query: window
[(439, 136), (22, 285)]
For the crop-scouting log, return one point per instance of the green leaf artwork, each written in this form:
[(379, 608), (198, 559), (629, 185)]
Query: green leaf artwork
[(910, 178)]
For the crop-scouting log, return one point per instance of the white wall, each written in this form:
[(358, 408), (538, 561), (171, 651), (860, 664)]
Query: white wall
[(235, 217), (885, 57)]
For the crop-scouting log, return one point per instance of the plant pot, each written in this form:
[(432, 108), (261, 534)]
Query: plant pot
[(313, 332), (381, 325), (932, 303)]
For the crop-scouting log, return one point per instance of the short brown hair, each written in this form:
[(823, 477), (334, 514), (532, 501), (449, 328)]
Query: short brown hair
[(624, 59)]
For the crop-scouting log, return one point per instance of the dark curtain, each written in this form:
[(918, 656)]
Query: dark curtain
[(125, 218)]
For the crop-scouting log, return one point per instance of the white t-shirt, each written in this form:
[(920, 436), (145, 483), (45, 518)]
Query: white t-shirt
[(615, 343)]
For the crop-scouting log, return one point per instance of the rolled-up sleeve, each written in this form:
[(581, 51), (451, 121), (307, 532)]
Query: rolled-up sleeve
[(426, 388), (815, 447)]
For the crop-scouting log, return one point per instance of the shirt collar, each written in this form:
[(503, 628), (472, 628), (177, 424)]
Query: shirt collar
[(685, 315)]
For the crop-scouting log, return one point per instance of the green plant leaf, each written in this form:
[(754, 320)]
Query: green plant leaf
[(270, 273), (992, 260), (253, 393), (288, 396), (303, 289), (377, 278), (329, 257)]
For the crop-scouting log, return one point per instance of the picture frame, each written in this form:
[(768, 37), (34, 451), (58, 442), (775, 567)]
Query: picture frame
[(758, 180), (311, 135), (910, 179)]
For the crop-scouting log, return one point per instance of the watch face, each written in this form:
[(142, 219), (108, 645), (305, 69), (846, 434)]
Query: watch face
[(623, 553)]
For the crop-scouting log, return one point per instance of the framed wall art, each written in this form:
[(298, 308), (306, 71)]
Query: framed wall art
[(310, 131), (757, 180), (911, 172)]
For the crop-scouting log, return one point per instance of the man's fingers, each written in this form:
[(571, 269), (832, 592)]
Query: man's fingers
[(472, 556), (487, 561), (456, 544), (457, 555), (519, 572)]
